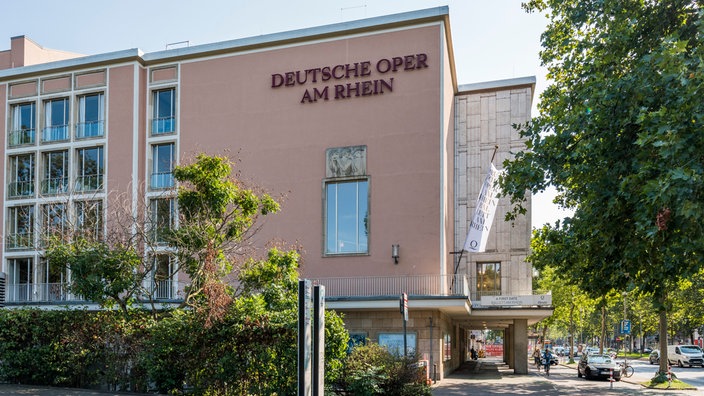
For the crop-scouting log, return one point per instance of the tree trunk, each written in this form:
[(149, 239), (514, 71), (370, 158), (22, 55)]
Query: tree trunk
[(571, 355), (663, 332), (603, 328)]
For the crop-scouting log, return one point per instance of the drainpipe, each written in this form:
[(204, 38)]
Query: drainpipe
[(430, 363)]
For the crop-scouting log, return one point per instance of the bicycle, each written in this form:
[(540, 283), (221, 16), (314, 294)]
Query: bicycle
[(626, 370)]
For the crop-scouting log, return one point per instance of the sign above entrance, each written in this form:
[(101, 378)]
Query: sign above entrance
[(516, 301), (349, 71)]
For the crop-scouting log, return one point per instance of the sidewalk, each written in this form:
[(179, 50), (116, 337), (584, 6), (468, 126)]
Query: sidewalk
[(491, 377)]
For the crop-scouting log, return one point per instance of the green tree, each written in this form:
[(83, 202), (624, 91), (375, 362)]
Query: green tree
[(619, 136), (107, 275), (216, 216)]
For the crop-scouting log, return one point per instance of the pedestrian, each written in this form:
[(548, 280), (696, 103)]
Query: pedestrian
[(548, 361), (536, 357)]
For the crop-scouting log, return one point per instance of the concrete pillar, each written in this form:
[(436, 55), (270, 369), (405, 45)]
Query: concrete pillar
[(510, 353), (520, 346)]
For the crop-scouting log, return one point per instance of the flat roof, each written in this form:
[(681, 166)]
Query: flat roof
[(268, 40), (497, 84)]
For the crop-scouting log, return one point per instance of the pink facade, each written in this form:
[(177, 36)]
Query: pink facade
[(370, 104)]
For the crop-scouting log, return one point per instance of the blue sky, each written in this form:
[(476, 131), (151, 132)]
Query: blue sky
[(492, 39)]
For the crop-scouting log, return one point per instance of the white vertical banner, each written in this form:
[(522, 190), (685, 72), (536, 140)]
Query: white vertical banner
[(484, 211)]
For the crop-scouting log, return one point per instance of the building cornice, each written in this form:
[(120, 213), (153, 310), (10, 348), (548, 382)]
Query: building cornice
[(369, 25)]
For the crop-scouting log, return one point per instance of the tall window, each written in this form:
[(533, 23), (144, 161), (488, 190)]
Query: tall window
[(489, 279), (90, 116), (20, 272), (163, 218), (51, 282), (55, 120), (162, 165), (23, 124), (89, 167), (164, 268), (55, 172), (347, 217), (20, 227), (89, 219), (21, 176), (54, 221), (163, 117)]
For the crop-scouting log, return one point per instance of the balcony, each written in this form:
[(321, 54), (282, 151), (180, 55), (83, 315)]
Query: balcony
[(22, 137), (381, 286), (90, 129), (39, 292), (19, 240), (163, 126), (162, 180), (89, 183), (55, 133), (20, 189), (54, 186)]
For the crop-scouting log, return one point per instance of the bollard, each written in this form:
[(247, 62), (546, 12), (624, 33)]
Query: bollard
[(669, 376), (611, 378)]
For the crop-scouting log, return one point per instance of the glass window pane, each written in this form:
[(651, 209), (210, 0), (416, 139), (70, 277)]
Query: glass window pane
[(347, 217)]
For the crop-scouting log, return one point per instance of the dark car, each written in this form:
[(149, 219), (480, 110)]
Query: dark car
[(598, 366), (654, 357)]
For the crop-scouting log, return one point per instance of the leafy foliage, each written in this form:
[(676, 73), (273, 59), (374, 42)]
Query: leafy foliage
[(372, 370), (619, 136), (216, 214), (107, 275)]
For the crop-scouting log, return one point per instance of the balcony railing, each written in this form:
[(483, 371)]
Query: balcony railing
[(89, 183), (39, 292), (19, 240), (420, 285), (90, 129), (162, 180), (55, 133), (163, 125), (163, 289), (55, 185), (20, 189), (21, 137)]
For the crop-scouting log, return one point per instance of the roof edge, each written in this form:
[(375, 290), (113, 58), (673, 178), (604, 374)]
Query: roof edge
[(497, 84)]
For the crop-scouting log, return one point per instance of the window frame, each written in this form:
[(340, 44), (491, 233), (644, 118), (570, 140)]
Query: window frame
[(163, 120), (19, 135), (482, 268), (16, 222), (159, 180), (49, 229), (92, 185), (20, 282), (157, 223), (48, 186), (90, 128), (52, 132), (365, 223), (163, 281), (94, 228), (21, 185)]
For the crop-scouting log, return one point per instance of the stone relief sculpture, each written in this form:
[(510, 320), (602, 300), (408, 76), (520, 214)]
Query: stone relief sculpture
[(346, 161)]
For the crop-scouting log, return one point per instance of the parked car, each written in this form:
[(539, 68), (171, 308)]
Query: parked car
[(647, 350), (598, 366), (559, 351), (654, 357), (689, 355)]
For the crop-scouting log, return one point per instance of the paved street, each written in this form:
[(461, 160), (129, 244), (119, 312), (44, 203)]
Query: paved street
[(491, 377)]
